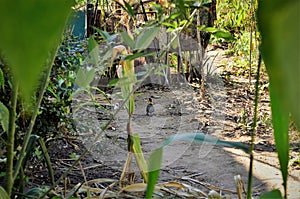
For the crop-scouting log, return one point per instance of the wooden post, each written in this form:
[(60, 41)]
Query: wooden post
[(90, 19)]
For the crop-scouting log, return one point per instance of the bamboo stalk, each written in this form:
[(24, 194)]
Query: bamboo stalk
[(11, 139), (253, 130)]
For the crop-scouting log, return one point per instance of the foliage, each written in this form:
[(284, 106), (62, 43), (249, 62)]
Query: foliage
[(33, 52), (236, 17), (29, 57), (233, 15), (55, 111), (280, 52)]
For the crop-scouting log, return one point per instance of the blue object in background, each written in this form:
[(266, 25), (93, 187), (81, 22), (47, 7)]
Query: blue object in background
[(76, 23)]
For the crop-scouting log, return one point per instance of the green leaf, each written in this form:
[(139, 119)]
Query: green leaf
[(127, 39), (3, 193), (174, 16), (4, 117), (1, 79), (129, 9), (113, 82), (278, 22), (138, 152), (105, 35), (279, 25), (223, 34), (208, 29), (34, 193), (274, 194), (93, 48), (145, 38), (182, 22), (138, 54), (29, 31), (207, 139), (168, 24), (154, 163), (84, 77), (280, 120)]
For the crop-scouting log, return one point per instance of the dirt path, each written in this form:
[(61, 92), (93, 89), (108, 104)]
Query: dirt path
[(179, 109)]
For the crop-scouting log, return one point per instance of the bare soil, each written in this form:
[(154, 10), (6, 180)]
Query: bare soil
[(226, 112)]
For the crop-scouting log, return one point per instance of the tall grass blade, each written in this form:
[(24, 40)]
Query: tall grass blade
[(279, 25), (280, 120)]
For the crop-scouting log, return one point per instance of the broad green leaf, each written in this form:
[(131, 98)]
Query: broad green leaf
[(93, 48), (105, 35), (280, 120), (168, 24), (182, 22), (3, 194), (174, 16), (279, 25), (274, 194), (223, 34), (145, 38), (113, 82), (1, 79), (4, 117), (29, 30), (129, 9), (127, 39), (171, 29), (217, 32), (139, 156), (278, 22), (84, 77), (154, 164), (209, 29)]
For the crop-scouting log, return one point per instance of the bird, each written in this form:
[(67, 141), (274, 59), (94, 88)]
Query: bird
[(150, 107)]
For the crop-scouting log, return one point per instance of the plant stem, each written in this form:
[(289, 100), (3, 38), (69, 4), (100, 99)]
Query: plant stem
[(250, 53), (43, 88), (11, 139), (249, 190)]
